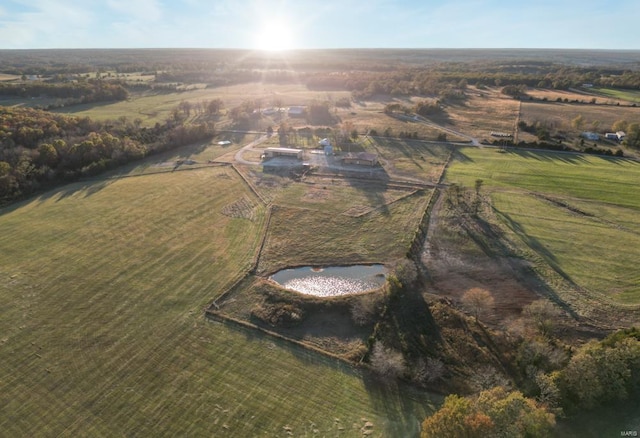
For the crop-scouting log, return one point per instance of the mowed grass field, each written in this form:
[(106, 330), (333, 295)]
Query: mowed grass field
[(102, 291), (578, 213), (632, 96), (381, 234)]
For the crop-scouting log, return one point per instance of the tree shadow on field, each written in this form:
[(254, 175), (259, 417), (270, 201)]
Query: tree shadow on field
[(619, 161), (304, 354), (549, 156), (546, 255), (458, 155), (371, 181), (192, 149), (404, 406), (373, 188), (79, 107), (402, 146), (86, 188)]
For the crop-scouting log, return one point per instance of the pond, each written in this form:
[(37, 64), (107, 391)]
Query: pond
[(332, 281)]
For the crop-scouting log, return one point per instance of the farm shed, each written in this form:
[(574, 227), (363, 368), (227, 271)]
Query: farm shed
[(283, 152), (361, 158)]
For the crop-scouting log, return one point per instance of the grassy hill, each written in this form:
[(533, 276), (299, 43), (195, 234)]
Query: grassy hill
[(102, 291), (577, 213)]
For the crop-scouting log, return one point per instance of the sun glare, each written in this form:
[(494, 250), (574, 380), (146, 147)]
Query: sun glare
[(275, 36)]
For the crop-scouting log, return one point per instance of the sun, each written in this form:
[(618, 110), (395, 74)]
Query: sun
[(274, 36)]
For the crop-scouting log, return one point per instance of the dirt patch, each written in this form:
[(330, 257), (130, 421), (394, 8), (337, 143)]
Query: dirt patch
[(455, 263), (453, 276)]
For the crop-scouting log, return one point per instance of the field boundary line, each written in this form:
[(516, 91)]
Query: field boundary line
[(415, 249), (263, 241), (252, 268), (251, 186), (220, 317)]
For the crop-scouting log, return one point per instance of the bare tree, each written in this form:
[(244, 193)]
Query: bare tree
[(477, 301), (487, 377), (387, 362), (543, 315), (429, 370), (365, 308)]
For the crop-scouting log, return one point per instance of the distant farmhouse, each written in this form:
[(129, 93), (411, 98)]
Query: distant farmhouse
[(617, 136)]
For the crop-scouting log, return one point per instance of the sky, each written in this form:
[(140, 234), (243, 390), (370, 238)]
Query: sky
[(307, 24)]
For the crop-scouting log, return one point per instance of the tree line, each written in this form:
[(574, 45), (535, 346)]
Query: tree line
[(39, 149), (86, 91)]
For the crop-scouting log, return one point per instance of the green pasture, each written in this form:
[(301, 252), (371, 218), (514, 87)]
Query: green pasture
[(628, 95), (607, 180), (149, 107), (578, 212), (592, 252), (102, 290)]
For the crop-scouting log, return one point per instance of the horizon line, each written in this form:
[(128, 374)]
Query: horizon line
[(301, 49)]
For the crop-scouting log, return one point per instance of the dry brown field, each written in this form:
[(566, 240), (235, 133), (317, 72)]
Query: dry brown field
[(485, 111), (7, 77), (553, 95), (561, 114)]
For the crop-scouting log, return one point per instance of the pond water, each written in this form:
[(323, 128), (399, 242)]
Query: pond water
[(331, 281)]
